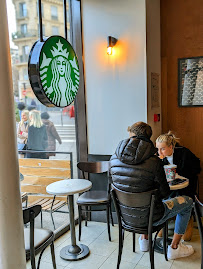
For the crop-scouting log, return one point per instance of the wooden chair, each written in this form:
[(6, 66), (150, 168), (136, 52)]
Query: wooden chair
[(36, 240), (198, 208), (94, 197), (132, 209)]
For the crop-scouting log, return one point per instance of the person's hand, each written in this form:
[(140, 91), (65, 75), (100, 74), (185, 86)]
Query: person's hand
[(161, 157)]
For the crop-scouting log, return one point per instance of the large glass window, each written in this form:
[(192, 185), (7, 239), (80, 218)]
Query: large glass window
[(54, 13), (60, 159)]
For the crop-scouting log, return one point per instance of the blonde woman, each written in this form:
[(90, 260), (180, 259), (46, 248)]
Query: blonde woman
[(22, 132), (188, 165), (37, 136)]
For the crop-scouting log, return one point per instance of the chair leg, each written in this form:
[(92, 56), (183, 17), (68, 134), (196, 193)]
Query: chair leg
[(133, 242), (51, 211), (80, 220), (40, 256), (26, 201), (108, 222), (151, 251), (165, 241), (89, 213), (111, 214), (200, 228), (33, 266), (52, 219), (86, 215), (120, 247), (41, 220), (53, 255)]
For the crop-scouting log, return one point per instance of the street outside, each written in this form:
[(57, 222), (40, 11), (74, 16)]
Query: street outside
[(65, 127)]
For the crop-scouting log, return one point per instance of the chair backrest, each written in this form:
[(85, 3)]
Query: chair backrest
[(98, 168), (93, 167), (134, 209), (29, 214), (199, 206)]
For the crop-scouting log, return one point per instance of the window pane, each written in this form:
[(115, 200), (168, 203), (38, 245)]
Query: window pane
[(22, 9), (26, 50), (23, 28), (54, 13)]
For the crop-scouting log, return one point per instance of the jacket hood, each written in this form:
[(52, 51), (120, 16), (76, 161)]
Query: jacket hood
[(135, 150)]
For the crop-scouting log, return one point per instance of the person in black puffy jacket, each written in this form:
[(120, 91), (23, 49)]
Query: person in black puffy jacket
[(135, 168)]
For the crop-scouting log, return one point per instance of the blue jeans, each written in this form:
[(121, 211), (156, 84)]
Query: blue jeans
[(179, 206)]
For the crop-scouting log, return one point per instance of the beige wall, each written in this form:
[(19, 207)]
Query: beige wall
[(116, 87)]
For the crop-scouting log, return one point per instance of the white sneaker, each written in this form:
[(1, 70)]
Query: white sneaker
[(181, 251), (144, 244)]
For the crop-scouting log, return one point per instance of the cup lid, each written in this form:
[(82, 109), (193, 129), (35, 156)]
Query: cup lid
[(170, 166)]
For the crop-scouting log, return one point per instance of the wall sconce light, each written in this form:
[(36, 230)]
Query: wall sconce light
[(111, 41)]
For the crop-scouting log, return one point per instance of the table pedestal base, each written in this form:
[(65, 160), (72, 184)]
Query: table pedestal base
[(74, 253), (158, 246)]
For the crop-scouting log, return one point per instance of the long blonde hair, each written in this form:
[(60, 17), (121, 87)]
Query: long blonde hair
[(168, 138), (35, 119)]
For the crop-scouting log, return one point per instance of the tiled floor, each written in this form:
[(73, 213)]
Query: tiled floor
[(103, 254)]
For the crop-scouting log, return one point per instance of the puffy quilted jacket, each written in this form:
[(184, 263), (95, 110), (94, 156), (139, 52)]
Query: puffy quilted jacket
[(135, 168)]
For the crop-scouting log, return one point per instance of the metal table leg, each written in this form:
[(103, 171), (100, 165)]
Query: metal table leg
[(73, 252)]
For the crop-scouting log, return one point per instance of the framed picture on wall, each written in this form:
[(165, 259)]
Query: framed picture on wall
[(190, 81)]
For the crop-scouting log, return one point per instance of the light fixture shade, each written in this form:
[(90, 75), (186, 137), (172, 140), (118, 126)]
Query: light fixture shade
[(111, 42)]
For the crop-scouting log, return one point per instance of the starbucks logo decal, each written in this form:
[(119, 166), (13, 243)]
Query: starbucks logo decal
[(58, 72)]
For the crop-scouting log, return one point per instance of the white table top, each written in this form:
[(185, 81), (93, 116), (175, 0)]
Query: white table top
[(69, 186), (180, 185)]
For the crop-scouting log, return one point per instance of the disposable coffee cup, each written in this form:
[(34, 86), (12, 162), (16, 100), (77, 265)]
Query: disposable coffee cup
[(170, 171)]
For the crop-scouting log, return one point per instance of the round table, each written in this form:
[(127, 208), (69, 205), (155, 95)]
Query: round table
[(158, 246), (70, 187)]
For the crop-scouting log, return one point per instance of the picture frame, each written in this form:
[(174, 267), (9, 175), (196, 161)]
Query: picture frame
[(190, 82)]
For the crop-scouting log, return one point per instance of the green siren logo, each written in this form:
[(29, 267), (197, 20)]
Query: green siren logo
[(59, 71)]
